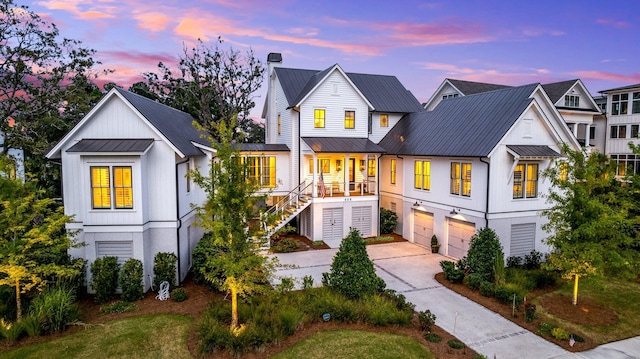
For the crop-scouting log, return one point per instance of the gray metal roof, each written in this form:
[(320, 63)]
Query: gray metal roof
[(536, 151), (175, 125), (342, 145), (263, 147), (557, 90), (385, 93), (468, 126), (628, 87), (132, 145), (471, 87)]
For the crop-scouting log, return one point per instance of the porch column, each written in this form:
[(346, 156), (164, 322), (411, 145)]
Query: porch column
[(377, 177), (346, 175), (314, 189), (575, 130), (587, 134)]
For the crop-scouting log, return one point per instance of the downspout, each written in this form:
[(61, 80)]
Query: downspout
[(486, 210), (299, 151), (378, 193), (178, 215)]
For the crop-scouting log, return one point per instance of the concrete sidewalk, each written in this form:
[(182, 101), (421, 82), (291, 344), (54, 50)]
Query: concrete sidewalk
[(409, 269)]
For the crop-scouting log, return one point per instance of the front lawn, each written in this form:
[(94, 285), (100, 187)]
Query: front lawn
[(355, 344), (147, 336)]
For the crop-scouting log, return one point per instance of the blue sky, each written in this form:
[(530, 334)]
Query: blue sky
[(421, 43)]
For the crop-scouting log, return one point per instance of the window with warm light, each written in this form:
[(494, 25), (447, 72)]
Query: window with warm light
[(102, 187), (325, 165), (371, 167), (461, 179), (262, 171), (318, 118), (525, 180), (384, 120), (349, 119), (393, 171), (422, 175)]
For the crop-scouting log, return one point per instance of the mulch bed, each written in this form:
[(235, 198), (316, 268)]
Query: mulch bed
[(305, 244), (585, 312)]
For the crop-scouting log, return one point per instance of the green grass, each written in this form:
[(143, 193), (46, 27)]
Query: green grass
[(618, 295), (378, 239), (355, 344), (147, 336)]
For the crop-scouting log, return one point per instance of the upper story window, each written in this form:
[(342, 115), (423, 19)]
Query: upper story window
[(592, 132), (279, 124), (349, 119), (525, 180), (451, 95), (634, 131), (188, 176), (393, 171), (262, 170), (371, 167), (384, 120), (318, 118), (422, 175), (619, 104), (618, 131), (635, 106), (461, 179), (102, 187), (572, 101)]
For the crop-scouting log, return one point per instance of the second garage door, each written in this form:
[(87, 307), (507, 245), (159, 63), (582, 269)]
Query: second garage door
[(460, 232), (422, 228)]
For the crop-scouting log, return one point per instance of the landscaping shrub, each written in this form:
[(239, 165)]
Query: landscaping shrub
[(559, 333), (118, 307), (307, 282), (487, 289), (532, 260), (545, 328), (498, 269), (104, 278), (55, 309), (399, 299), (455, 344), (379, 311), (352, 272), (505, 293), (483, 249), (426, 320), (164, 269), (474, 280), (10, 331), (388, 221), (286, 245), (543, 279), (286, 285), (131, 280), (530, 312), (179, 295), (451, 273), (514, 262), (31, 325), (206, 248), (433, 338)]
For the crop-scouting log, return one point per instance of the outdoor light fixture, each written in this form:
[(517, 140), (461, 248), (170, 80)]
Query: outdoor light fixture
[(416, 204), (453, 212), (338, 165)]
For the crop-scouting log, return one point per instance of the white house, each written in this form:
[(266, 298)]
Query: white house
[(474, 161), (124, 183)]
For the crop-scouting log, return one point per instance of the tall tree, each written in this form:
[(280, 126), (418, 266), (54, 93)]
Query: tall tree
[(38, 71), (591, 230), (232, 219), (213, 85)]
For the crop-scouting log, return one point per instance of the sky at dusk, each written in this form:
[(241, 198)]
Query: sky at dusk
[(420, 42)]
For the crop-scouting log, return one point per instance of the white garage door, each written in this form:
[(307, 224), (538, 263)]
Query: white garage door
[(523, 239), (422, 228), (332, 226), (361, 220), (121, 249), (460, 232)]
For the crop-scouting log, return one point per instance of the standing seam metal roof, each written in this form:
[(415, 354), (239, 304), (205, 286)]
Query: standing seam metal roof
[(175, 125), (131, 145), (556, 90), (472, 87), (468, 126)]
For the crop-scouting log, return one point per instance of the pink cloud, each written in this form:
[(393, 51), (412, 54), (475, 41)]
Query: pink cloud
[(415, 34), (74, 7), (602, 75), (614, 23), (136, 57), (153, 21), (509, 77)]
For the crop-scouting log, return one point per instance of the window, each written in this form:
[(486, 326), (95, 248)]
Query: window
[(101, 189), (188, 176), (318, 118), (384, 120), (525, 180), (279, 124), (262, 171), (635, 105), (422, 175), (571, 101), (592, 133), (349, 119), (370, 123), (563, 171), (451, 95), (627, 164), (634, 131), (371, 167), (618, 131), (393, 171), (323, 165), (619, 104), (461, 179)]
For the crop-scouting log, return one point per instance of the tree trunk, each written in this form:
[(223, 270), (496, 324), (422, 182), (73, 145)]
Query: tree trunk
[(575, 289), (18, 302), (234, 307)]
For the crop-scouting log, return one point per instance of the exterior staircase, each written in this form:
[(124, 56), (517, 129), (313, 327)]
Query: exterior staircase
[(286, 209)]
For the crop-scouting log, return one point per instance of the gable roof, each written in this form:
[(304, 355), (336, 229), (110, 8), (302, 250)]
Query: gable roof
[(385, 93), (342, 145), (468, 126), (628, 87), (175, 126), (557, 90), (471, 87)]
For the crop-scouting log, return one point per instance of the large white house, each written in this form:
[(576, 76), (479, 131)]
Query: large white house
[(123, 173)]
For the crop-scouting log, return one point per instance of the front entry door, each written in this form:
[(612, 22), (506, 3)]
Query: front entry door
[(352, 174)]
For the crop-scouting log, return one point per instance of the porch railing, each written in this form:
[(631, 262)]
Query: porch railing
[(337, 189)]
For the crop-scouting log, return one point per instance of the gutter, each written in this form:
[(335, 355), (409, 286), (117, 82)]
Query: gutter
[(486, 210), (179, 220)]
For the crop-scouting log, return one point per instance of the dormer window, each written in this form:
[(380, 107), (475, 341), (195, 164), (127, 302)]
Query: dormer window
[(572, 101)]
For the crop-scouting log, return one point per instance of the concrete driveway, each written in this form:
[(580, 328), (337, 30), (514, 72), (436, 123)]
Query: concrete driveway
[(409, 269)]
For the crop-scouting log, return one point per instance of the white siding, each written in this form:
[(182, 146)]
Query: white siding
[(378, 132)]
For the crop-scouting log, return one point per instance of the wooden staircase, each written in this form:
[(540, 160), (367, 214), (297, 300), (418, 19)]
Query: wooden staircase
[(286, 209)]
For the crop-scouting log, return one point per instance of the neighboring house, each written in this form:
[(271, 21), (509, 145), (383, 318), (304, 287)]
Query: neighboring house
[(124, 183), (330, 121), (571, 98), (623, 124), (474, 161)]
